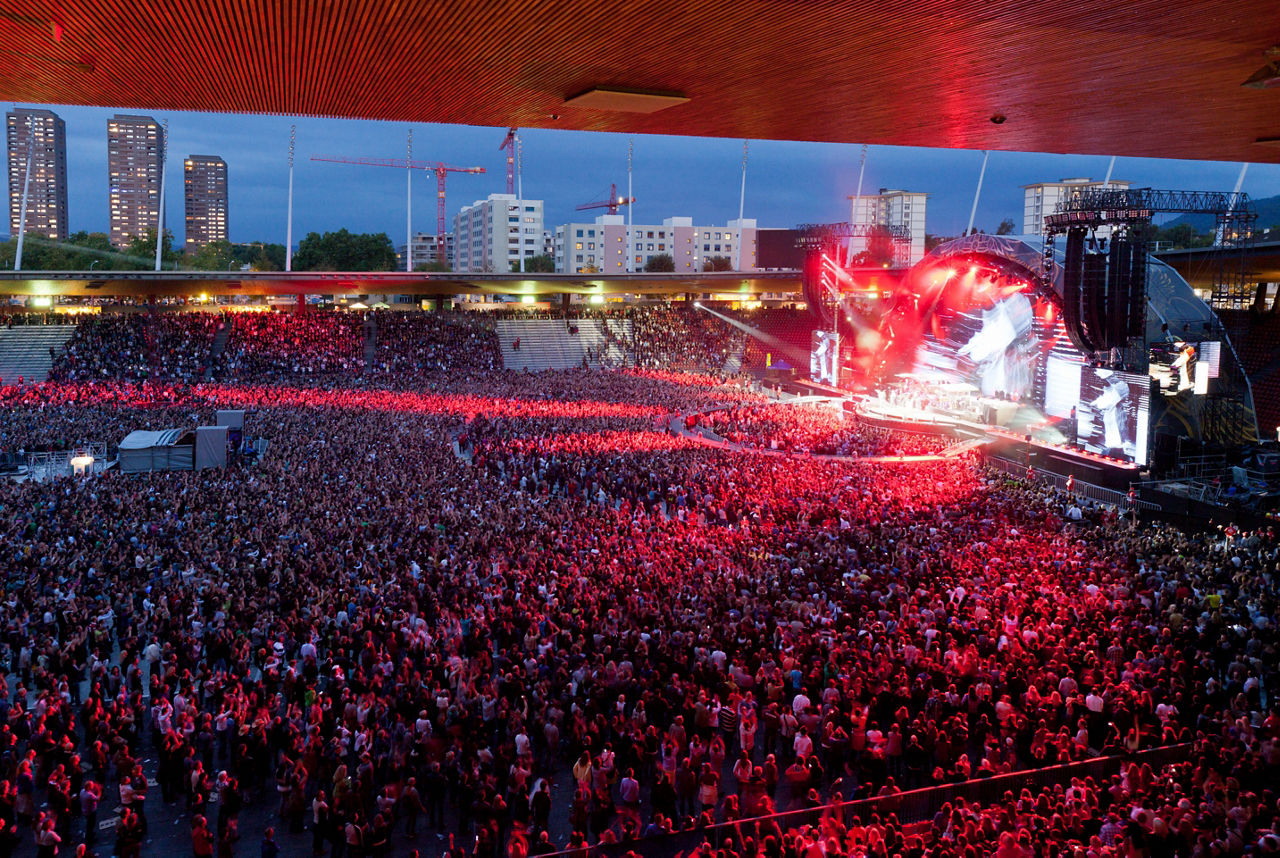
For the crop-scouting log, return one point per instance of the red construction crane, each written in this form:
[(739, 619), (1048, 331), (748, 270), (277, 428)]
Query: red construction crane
[(509, 144), (611, 204), (441, 170)]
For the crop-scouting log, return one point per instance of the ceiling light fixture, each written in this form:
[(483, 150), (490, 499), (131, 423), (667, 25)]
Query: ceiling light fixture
[(1267, 77), (625, 100)]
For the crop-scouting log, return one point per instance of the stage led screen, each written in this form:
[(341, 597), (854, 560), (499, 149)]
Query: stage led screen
[(823, 358), (1112, 415), (1062, 384)]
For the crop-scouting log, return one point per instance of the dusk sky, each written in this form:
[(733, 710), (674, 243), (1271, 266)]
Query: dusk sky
[(787, 182)]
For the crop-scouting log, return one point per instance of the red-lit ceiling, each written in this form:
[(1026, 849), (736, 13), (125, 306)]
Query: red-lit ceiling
[(1151, 77)]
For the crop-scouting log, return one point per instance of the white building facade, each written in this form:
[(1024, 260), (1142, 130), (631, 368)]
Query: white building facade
[(1041, 199), (491, 234), (425, 250), (601, 246), (43, 135), (902, 210)]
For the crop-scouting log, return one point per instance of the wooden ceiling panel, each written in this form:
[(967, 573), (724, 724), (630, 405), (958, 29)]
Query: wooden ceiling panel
[(1145, 77)]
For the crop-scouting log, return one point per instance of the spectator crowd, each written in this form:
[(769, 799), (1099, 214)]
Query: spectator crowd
[(511, 614), (822, 429)]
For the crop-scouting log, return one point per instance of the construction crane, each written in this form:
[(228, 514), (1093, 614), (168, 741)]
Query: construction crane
[(509, 144), (611, 204), (441, 170)]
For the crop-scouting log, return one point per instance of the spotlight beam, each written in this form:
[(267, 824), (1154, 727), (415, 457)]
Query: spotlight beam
[(789, 351)]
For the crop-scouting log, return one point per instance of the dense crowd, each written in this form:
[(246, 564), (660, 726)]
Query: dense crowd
[(519, 612), (671, 336), (276, 345), (821, 429), (136, 346), (104, 347), (182, 342), (15, 320), (423, 343)]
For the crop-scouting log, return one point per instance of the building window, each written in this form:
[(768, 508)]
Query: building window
[(706, 247), (579, 259), (578, 245), (579, 233), (662, 247), (650, 235)]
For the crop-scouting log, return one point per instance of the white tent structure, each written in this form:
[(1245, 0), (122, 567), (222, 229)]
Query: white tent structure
[(166, 450), (211, 447)]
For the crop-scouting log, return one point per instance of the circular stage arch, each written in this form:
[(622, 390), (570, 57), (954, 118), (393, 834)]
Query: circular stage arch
[(976, 310)]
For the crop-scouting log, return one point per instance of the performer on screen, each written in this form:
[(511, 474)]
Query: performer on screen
[(1183, 364)]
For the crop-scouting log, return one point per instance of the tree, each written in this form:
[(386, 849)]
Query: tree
[(880, 250), (931, 241), (259, 255), (1182, 235), (660, 262), (717, 263), (432, 267), (1006, 227), (345, 251), (542, 264), (80, 251), (142, 249), (214, 256)]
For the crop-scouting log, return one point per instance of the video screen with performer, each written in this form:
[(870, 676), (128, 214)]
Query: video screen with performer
[(824, 359), (992, 332), (1178, 367), (1112, 415)]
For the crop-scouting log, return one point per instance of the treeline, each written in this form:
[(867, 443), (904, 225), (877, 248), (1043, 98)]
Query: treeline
[(93, 251)]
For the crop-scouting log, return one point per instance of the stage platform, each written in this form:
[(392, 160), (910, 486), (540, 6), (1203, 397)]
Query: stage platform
[(1020, 444)]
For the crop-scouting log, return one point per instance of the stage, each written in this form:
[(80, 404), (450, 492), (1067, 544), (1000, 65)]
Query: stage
[(1025, 438)]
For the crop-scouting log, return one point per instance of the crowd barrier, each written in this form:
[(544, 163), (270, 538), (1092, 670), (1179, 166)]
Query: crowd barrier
[(914, 806)]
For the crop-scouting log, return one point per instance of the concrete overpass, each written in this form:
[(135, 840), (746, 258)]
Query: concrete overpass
[(428, 285)]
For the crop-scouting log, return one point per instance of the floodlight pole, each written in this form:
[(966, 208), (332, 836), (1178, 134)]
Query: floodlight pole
[(164, 157), (288, 232), (742, 199), (1231, 206), (1106, 183), (857, 204), (26, 187), (630, 206), (520, 198), (973, 212), (408, 216)]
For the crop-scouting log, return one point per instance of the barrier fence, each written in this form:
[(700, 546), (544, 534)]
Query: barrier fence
[(915, 806), (85, 458), (1101, 494)]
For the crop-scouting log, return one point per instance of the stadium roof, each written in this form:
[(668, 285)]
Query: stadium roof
[(217, 283), (1141, 77)]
